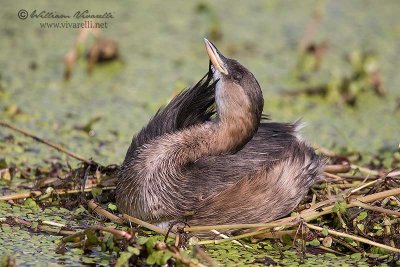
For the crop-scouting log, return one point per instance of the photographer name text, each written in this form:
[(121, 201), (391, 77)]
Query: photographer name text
[(81, 14)]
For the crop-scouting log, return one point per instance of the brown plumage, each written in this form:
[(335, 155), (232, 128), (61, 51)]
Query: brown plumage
[(188, 165)]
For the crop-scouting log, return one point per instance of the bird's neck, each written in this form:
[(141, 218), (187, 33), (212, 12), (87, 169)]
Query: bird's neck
[(234, 126), (222, 136), (237, 120)]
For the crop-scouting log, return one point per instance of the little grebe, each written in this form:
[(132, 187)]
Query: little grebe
[(234, 167)]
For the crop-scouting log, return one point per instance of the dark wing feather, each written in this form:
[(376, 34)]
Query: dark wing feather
[(191, 106)]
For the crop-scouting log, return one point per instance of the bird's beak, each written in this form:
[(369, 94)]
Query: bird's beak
[(216, 57)]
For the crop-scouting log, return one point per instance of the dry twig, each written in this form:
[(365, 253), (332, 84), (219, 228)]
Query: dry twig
[(52, 145), (99, 210)]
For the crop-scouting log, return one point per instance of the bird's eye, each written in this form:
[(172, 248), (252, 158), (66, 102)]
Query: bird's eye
[(237, 76)]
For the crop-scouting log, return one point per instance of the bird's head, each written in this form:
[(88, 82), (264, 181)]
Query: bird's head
[(237, 90)]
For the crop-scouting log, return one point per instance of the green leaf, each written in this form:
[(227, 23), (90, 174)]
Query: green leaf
[(379, 232), (29, 202), (92, 238), (325, 232), (6, 229), (151, 243), (356, 256), (88, 260), (158, 257), (286, 239), (166, 255), (350, 241), (133, 250), (315, 242), (340, 206), (79, 210), (112, 206), (4, 205), (362, 216), (3, 163), (123, 259), (195, 261), (141, 240), (378, 250), (96, 191), (34, 225), (110, 242), (151, 259), (77, 251)]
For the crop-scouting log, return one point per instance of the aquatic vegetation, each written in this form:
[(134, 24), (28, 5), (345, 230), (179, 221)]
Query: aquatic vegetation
[(95, 117), (353, 213)]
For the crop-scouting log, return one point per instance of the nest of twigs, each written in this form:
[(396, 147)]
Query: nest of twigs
[(355, 210)]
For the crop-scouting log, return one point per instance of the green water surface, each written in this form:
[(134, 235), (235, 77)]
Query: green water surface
[(162, 51)]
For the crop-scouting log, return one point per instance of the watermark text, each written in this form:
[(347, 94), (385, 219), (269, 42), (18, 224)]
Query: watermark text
[(90, 19)]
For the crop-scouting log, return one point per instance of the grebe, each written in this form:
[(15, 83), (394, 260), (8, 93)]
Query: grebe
[(209, 157)]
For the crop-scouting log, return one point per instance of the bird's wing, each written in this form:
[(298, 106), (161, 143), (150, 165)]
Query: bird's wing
[(191, 106)]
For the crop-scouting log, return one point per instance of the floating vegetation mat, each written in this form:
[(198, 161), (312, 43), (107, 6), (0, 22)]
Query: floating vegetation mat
[(55, 214)]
